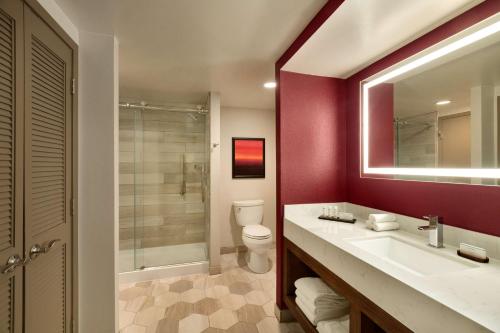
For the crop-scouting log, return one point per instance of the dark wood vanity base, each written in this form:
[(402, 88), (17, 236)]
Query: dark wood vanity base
[(365, 316)]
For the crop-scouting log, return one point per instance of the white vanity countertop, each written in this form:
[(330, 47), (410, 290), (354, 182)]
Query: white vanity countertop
[(474, 293)]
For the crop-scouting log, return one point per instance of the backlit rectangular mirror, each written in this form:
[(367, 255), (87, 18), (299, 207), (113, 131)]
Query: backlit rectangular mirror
[(435, 116)]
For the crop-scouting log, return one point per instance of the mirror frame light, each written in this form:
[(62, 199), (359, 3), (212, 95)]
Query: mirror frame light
[(467, 37)]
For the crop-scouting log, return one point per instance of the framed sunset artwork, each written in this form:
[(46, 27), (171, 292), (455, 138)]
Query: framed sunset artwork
[(249, 158)]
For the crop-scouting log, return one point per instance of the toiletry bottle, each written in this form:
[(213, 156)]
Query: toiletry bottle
[(335, 211)]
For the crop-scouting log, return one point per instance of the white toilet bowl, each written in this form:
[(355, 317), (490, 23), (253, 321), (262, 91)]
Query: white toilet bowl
[(258, 240), (256, 237)]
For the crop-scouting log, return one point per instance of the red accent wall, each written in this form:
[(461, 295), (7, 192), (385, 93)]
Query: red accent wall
[(470, 207), (300, 115), (381, 128), (312, 143), (313, 138)]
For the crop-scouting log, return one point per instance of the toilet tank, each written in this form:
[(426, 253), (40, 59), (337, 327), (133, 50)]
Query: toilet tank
[(248, 212)]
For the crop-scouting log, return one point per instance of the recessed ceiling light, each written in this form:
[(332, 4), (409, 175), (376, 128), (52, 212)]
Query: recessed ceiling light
[(270, 85), (443, 102)]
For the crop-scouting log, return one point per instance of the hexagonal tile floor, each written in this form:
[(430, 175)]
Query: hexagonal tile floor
[(237, 300)]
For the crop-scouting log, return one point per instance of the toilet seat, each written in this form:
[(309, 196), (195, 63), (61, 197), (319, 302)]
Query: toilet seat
[(256, 232)]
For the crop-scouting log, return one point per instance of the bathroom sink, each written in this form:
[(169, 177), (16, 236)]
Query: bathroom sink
[(417, 259)]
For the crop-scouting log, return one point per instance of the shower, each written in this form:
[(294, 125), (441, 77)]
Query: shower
[(415, 140), (164, 163)]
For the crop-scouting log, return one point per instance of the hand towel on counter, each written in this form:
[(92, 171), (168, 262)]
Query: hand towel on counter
[(385, 226), (339, 325), (316, 316), (314, 288), (322, 302), (379, 218)]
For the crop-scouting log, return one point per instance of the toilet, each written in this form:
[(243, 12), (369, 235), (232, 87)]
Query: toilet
[(256, 237)]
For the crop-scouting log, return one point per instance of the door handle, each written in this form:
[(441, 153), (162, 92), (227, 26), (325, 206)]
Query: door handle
[(13, 261), (37, 249)]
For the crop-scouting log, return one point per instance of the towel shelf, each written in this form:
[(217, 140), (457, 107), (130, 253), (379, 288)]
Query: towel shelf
[(365, 316), (299, 315)]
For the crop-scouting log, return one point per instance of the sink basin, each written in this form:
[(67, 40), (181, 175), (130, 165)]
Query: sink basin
[(419, 260)]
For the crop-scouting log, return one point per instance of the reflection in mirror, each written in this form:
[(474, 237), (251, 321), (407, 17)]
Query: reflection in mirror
[(443, 114)]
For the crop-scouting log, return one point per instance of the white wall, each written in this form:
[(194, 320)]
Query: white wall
[(236, 122), (497, 127), (61, 18), (98, 183), (482, 126), (215, 189)]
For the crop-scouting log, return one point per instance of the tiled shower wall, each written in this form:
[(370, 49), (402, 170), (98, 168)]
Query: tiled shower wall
[(158, 151), (416, 146)]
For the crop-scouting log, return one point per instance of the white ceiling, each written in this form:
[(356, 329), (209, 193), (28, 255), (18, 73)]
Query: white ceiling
[(178, 50), (363, 31)]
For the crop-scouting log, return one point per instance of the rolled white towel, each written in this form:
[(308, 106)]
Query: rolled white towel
[(376, 218), (317, 316), (339, 325), (385, 226), (322, 302), (313, 287)]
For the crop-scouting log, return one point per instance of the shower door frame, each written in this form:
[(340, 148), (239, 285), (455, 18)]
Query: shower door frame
[(140, 260)]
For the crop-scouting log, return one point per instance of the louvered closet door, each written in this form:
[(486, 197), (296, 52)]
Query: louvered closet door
[(48, 100), (11, 159)]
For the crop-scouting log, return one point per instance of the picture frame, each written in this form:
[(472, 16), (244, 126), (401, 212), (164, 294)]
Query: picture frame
[(249, 157)]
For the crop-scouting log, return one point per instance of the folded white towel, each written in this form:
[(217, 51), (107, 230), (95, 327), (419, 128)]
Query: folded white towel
[(317, 316), (332, 312), (376, 218), (385, 226), (339, 325), (313, 287), (325, 306), (322, 302)]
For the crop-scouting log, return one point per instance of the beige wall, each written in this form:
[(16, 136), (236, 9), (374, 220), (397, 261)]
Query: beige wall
[(98, 183), (214, 219), (236, 122)]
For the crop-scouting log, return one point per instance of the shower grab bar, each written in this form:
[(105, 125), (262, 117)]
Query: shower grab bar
[(183, 187), (201, 168), (203, 182)]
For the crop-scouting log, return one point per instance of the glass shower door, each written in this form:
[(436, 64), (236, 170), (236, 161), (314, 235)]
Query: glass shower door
[(130, 210), (138, 190), (164, 159), (170, 171)]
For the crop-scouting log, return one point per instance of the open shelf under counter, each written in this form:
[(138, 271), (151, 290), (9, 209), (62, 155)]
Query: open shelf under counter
[(365, 316), (299, 315)]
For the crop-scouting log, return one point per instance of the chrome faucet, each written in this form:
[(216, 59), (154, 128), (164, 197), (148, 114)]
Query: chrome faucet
[(435, 228)]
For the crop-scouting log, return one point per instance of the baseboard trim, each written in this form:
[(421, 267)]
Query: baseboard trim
[(233, 249), (283, 316), (162, 272), (214, 270), (238, 249)]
